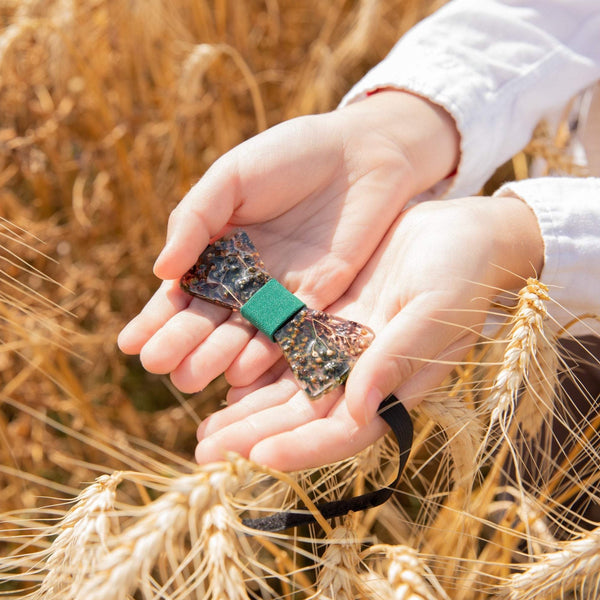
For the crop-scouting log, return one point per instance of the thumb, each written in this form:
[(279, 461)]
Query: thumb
[(254, 182), (202, 214), (411, 355)]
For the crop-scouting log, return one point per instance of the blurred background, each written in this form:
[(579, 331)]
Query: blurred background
[(110, 111)]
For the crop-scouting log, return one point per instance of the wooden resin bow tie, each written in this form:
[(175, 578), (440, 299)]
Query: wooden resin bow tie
[(320, 348)]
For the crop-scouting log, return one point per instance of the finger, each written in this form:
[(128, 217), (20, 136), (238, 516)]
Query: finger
[(167, 301), (274, 394), (411, 339), (243, 435), (180, 335), (319, 442), (203, 212), (212, 357), (429, 378), (235, 394), (259, 355)]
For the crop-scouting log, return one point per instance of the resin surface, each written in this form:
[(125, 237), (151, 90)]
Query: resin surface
[(227, 273)]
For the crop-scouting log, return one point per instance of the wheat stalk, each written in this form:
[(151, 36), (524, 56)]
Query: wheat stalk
[(106, 551), (537, 399), (13, 32), (224, 563), (194, 67), (189, 540), (463, 431)]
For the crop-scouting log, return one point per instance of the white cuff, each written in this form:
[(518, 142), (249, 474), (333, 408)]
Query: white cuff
[(568, 212), (497, 67)]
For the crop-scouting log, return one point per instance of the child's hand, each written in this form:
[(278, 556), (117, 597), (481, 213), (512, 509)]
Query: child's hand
[(425, 292), (316, 195)]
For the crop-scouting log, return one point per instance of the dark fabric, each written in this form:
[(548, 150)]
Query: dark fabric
[(576, 408), (580, 394)]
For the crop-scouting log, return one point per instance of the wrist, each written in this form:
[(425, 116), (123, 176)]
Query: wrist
[(518, 240), (424, 133)]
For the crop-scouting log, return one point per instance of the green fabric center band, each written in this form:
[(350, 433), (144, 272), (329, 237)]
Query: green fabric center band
[(271, 307)]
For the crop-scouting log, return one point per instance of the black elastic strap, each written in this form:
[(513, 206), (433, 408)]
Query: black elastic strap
[(397, 417)]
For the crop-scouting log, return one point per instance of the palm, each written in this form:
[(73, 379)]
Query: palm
[(315, 228), (425, 292)]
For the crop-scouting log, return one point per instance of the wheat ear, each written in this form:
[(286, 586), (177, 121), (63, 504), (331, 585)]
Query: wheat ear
[(84, 532), (195, 505), (577, 564), (527, 328), (463, 431), (189, 499), (338, 575), (407, 575)]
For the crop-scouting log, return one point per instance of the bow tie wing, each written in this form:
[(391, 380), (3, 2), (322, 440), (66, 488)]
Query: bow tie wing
[(227, 273), (321, 349)]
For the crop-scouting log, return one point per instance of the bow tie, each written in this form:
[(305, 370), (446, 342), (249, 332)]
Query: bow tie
[(320, 348)]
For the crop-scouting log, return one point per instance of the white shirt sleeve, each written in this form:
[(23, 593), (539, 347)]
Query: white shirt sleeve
[(568, 212), (496, 66)]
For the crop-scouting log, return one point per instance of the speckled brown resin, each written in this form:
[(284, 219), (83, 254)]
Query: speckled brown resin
[(320, 348)]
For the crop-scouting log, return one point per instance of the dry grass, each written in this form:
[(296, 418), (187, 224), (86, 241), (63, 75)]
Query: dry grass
[(111, 110)]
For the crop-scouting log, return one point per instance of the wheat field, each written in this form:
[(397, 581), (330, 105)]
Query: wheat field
[(111, 110)]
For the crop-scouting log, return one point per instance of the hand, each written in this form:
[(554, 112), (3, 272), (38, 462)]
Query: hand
[(425, 292), (316, 194)]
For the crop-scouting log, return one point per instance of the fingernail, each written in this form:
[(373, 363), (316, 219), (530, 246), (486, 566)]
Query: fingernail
[(160, 258), (127, 339), (206, 451), (371, 404), (201, 431)]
